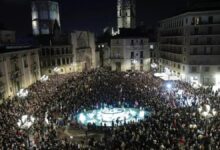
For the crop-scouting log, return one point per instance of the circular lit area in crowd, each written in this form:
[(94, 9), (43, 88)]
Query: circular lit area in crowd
[(110, 116)]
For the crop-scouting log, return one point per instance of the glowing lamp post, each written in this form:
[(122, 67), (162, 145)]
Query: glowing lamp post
[(23, 93), (135, 61), (207, 112), (154, 66)]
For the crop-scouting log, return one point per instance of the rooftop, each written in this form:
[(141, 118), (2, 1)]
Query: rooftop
[(15, 48)]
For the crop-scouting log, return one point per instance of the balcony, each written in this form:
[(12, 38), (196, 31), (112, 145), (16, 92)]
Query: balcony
[(171, 50), (171, 34), (205, 54), (116, 57), (204, 43), (202, 23), (172, 43), (204, 33), (178, 60)]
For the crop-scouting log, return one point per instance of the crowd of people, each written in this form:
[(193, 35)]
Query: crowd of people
[(175, 122)]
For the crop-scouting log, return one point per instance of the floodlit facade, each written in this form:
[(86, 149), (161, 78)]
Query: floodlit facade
[(130, 53), (84, 50), (76, 53), (45, 17), (19, 68), (126, 14), (105, 54), (52, 56), (189, 47)]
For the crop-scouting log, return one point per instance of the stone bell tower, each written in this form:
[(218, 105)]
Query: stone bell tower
[(126, 14)]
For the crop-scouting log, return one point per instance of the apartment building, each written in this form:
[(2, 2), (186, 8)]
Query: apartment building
[(189, 46), (19, 68), (130, 53)]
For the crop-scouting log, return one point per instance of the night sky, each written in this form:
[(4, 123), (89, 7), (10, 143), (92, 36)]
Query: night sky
[(92, 15)]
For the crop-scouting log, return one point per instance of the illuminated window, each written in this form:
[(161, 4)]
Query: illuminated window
[(197, 20)]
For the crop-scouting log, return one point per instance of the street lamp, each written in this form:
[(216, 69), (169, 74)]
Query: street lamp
[(207, 112), (135, 61), (154, 66), (44, 78)]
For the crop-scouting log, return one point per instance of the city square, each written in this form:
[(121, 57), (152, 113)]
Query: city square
[(137, 85)]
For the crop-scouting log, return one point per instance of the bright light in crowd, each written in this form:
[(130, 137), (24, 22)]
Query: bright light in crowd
[(217, 78), (22, 93), (45, 119), (207, 108), (91, 115), (167, 71), (135, 61), (151, 46), (44, 78), (56, 69), (214, 112), (205, 114), (216, 87), (154, 65), (82, 118), (169, 86), (142, 114), (206, 111), (133, 113), (200, 109), (26, 121)]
